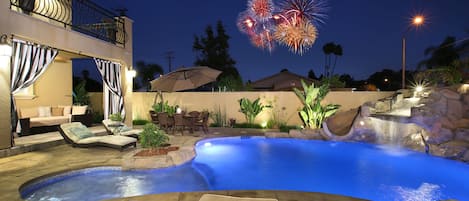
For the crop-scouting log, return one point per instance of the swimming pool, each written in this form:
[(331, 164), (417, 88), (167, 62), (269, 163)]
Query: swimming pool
[(353, 169)]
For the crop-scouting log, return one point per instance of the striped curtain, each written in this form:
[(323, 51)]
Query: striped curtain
[(112, 95), (29, 62)]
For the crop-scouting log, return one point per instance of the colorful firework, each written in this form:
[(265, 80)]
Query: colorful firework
[(264, 40), (309, 10), (246, 23), (261, 9), (298, 38), (293, 24)]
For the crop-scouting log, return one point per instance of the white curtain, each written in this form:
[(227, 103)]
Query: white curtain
[(29, 62), (112, 95)]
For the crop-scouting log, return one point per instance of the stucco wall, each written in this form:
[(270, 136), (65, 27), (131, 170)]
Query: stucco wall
[(285, 103), (5, 119), (53, 88)]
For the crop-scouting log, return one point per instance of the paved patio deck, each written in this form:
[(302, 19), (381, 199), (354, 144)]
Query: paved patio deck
[(18, 169)]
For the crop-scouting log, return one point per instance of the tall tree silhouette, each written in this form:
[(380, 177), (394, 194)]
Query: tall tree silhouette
[(441, 55), (213, 51), (146, 72)]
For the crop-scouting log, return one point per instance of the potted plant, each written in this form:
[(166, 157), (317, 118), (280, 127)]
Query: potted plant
[(154, 141)]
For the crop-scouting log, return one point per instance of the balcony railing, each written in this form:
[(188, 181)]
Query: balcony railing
[(82, 16)]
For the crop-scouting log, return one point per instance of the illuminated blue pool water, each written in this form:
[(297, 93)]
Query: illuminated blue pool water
[(353, 169)]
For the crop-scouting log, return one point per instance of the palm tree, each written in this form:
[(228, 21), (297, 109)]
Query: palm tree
[(337, 53), (442, 55), (328, 49)]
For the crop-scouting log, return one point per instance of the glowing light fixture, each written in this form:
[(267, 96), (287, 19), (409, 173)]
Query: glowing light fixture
[(5, 47), (132, 73), (264, 124), (418, 20), (419, 89), (207, 144), (362, 123)]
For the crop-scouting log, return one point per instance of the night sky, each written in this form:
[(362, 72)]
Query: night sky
[(369, 31)]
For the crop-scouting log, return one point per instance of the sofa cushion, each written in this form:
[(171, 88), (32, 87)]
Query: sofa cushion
[(57, 111), (48, 121), (81, 132), (67, 109), (44, 111), (28, 112), (79, 110)]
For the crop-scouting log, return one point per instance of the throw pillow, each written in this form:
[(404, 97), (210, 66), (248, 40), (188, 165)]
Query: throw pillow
[(28, 112), (67, 109), (44, 111), (57, 111), (81, 132)]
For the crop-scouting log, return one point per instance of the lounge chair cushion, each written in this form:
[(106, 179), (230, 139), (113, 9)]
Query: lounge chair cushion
[(118, 128), (81, 132), (47, 121)]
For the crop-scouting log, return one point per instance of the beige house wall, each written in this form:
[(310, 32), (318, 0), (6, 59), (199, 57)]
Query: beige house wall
[(53, 88), (5, 119), (55, 35), (286, 104)]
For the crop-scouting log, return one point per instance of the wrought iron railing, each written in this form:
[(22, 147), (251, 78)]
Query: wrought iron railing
[(82, 16)]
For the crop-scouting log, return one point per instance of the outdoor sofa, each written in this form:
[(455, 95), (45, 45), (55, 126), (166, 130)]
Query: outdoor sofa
[(119, 128), (78, 135), (46, 118)]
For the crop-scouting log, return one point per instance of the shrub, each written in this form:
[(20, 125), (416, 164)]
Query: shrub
[(251, 109), (219, 117), (164, 107), (116, 117), (140, 122), (313, 113), (152, 136)]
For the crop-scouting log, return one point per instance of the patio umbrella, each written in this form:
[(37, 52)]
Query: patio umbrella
[(184, 79)]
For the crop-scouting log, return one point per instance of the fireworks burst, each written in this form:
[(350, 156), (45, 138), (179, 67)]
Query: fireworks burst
[(294, 25), (246, 23), (299, 38), (310, 10), (264, 40), (261, 9)]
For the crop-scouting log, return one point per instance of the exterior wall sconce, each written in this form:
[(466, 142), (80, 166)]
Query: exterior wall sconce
[(132, 73), (5, 47)]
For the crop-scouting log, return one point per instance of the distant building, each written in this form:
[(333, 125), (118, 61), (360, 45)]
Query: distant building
[(282, 81)]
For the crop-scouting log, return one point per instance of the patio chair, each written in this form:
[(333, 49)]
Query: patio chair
[(179, 123), (203, 122), (165, 121), (118, 128), (154, 117), (78, 135)]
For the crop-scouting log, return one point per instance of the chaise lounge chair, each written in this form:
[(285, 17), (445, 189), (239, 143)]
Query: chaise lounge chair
[(120, 129), (79, 135)]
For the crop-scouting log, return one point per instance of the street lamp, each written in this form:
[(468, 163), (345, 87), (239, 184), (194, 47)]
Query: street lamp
[(416, 21)]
